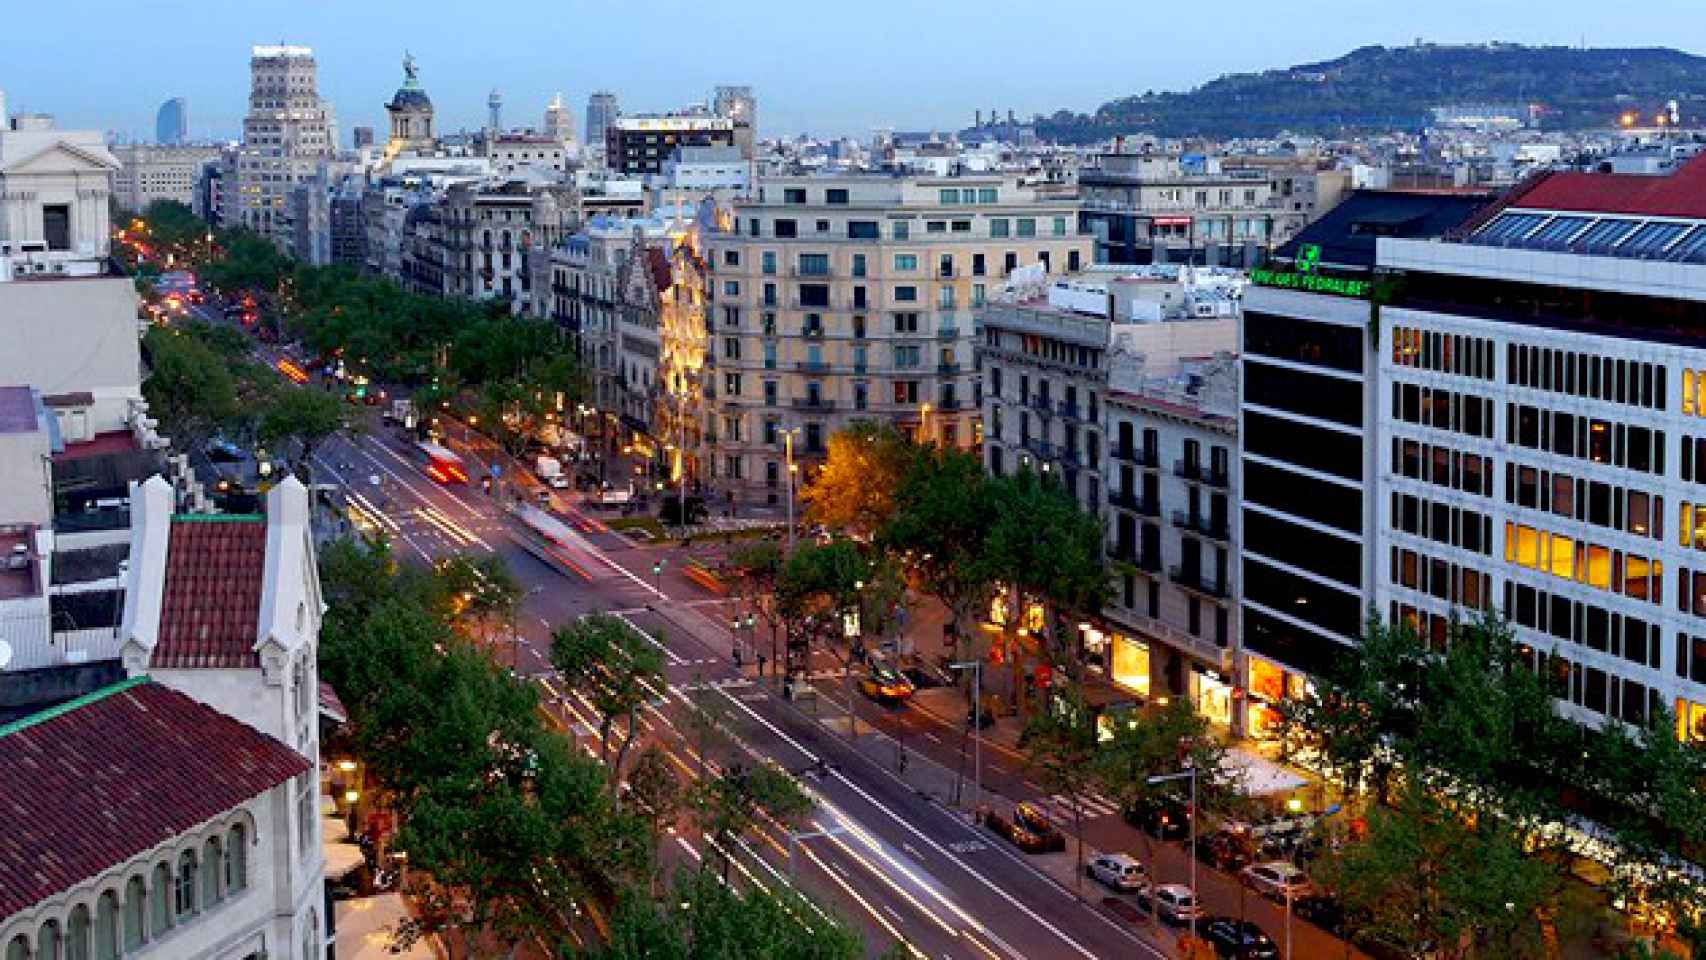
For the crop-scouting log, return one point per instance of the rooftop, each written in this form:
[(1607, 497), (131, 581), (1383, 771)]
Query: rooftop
[(1682, 193), (210, 608), (17, 410), (1346, 235), (103, 778)]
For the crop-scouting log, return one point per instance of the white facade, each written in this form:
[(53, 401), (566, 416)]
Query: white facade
[(148, 173), (55, 187), (288, 131), (84, 338)]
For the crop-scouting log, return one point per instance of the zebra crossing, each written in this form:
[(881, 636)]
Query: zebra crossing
[(1093, 805)]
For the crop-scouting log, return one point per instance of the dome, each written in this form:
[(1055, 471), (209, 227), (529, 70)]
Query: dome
[(411, 99)]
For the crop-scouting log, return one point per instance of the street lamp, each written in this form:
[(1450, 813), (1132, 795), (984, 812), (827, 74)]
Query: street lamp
[(976, 667), (788, 447), (1191, 773), (924, 423)]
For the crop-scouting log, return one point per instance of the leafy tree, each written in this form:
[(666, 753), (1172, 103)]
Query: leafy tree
[(478, 591), (818, 585), (756, 566), (1060, 746), (617, 670), (730, 805), (706, 919), (303, 418), (939, 528), (855, 491), (654, 791), (189, 386)]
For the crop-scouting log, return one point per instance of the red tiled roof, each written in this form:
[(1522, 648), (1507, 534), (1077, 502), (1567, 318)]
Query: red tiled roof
[(1681, 193), (657, 264), (101, 779), (211, 608), (101, 444), (330, 706)]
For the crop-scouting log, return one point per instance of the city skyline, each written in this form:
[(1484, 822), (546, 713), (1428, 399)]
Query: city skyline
[(851, 87)]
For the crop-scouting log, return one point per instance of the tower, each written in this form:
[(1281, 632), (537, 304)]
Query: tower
[(495, 113), (559, 122), (288, 132), (601, 111), (738, 104), (411, 112), (172, 123)]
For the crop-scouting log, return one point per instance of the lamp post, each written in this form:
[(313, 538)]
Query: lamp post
[(788, 447), (1191, 773), (976, 668)]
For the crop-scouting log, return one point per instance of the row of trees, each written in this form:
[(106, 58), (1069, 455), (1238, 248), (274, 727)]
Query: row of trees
[(1484, 792), (514, 836)]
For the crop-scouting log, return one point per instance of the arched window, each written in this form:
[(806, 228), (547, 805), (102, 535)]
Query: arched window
[(77, 934), (160, 901), (236, 859), (135, 912), (184, 901), (49, 943), (19, 948), (106, 926), (210, 864)]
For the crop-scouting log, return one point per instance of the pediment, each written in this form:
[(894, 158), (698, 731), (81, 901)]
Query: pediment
[(56, 157)]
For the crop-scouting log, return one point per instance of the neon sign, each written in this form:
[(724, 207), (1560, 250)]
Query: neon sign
[(1306, 275)]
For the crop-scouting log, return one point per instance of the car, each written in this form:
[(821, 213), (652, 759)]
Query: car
[(1171, 902), (1237, 939), (885, 684), (1276, 879), (1029, 829), (1225, 849), (1163, 819), (1119, 871)]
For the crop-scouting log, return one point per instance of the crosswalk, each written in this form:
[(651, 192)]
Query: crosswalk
[(1093, 805)]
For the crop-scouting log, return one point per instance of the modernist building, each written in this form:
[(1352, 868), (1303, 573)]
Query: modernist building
[(147, 173), (602, 110), (641, 144), (1309, 422), (172, 122), (851, 297), (1145, 208), (288, 133), (1541, 449), (490, 232)]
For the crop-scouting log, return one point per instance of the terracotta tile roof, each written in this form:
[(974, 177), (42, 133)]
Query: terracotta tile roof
[(96, 781), (1681, 193), (211, 609), (657, 264)]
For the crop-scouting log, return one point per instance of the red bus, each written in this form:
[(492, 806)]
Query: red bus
[(440, 464)]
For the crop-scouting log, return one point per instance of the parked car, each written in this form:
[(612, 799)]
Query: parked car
[(885, 684), (1237, 939), (1170, 902), (1277, 879), (1029, 829), (1120, 871), (1322, 910), (1163, 819), (1225, 850)]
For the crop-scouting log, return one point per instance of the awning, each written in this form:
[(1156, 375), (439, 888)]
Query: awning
[(1257, 776), (330, 706)]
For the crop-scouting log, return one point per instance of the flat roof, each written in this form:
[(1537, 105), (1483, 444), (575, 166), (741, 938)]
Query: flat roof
[(17, 410)]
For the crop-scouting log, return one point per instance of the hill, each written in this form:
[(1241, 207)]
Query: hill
[(1385, 88)]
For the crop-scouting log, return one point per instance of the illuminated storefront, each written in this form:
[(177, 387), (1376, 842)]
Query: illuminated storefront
[(1690, 721), (1270, 684), (1212, 695), (1128, 663)]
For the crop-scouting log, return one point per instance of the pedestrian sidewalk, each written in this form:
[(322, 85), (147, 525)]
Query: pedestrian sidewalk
[(366, 928)]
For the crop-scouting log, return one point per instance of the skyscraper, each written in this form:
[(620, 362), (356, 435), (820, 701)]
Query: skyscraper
[(559, 122), (172, 123), (601, 111), (287, 134), (738, 104)]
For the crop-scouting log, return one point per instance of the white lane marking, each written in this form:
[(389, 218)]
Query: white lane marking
[(674, 657), (382, 448)]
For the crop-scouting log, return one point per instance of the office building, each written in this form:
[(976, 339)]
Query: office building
[(738, 104), (852, 297), (601, 111), (1309, 422), (172, 122), (559, 121), (288, 132), (147, 173), (642, 144), (1540, 448)]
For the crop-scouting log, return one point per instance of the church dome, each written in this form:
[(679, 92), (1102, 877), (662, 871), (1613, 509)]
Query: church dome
[(410, 99)]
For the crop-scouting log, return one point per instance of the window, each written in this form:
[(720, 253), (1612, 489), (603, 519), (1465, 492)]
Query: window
[(977, 266), (731, 258), (77, 935), (945, 298), (861, 229), (906, 261), (106, 926), (949, 196), (823, 226), (837, 196), (986, 195), (814, 264), (787, 229), (1060, 226), (936, 226), (906, 294), (961, 226), (795, 195), (731, 288), (236, 859), (731, 384), (183, 900), (768, 261), (306, 813), (858, 264), (999, 226), (135, 912), (56, 225), (1027, 227), (160, 900), (902, 230), (212, 862)]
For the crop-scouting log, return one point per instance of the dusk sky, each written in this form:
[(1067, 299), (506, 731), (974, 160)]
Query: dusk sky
[(821, 68)]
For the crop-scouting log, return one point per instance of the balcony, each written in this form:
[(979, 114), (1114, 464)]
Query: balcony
[(1201, 525), (812, 333), (949, 405), (1041, 448), (1196, 581), (1068, 410), (1140, 456), (1041, 405), (813, 404), (810, 272), (947, 369), (1197, 472), (947, 333), (1130, 554), (1126, 500), (812, 366)]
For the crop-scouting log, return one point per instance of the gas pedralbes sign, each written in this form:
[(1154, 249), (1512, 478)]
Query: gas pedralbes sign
[(1305, 275)]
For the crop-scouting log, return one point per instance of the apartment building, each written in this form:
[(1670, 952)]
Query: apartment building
[(641, 144), (1541, 443), (1144, 208), (148, 172), (491, 229), (1309, 417), (288, 132), (841, 298)]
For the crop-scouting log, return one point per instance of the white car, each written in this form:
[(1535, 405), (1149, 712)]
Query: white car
[(1119, 871), (1276, 879), (1172, 902), (558, 482)]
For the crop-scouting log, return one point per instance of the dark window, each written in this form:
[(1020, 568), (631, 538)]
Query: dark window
[(1297, 391), (787, 228), (1320, 553), (837, 196), (814, 294), (861, 229), (1318, 500), (1301, 598), (1317, 448), (1303, 341), (1293, 646)]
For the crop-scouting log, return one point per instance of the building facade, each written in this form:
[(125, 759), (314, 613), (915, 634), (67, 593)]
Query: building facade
[(1155, 209), (288, 132), (147, 173), (641, 144), (602, 109), (844, 298)]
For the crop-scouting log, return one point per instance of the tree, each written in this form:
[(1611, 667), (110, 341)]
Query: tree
[(478, 592), (302, 418), (189, 386), (939, 527), (704, 918), (1060, 745), (654, 791), (616, 669), (855, 490), (756, 567), (729, 805)]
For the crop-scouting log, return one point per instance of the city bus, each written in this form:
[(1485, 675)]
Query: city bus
[(440, 464)]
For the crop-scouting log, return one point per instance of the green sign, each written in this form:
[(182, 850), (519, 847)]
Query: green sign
[(1310, 281)]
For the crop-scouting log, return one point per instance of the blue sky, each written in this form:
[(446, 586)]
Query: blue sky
[(818, 67)]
